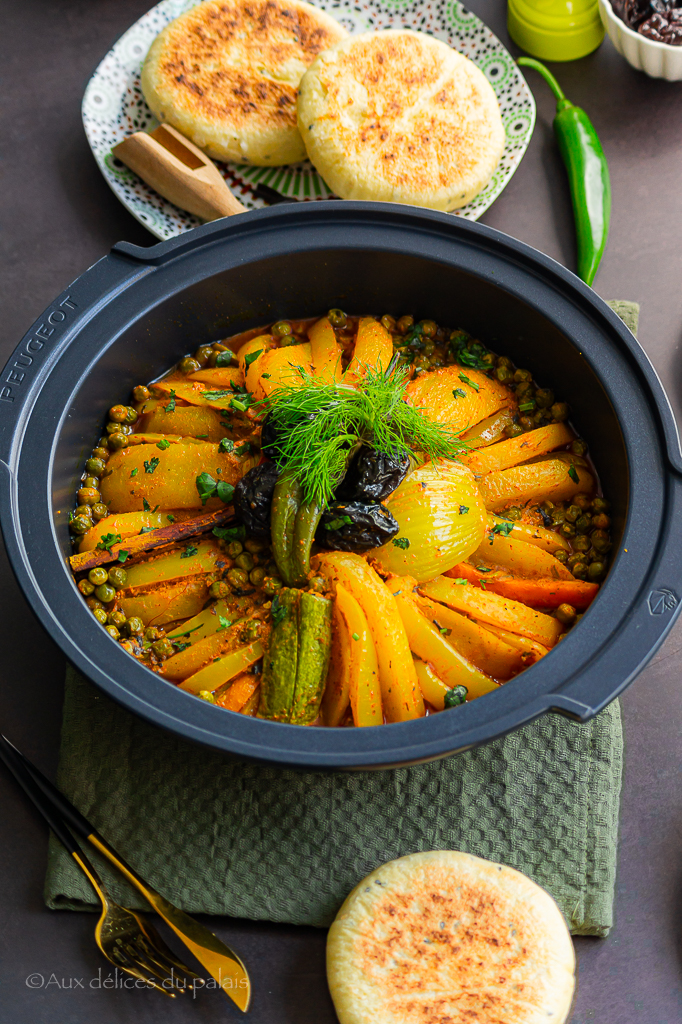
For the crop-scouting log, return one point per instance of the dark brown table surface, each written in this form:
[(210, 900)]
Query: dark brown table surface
[(58, 217)]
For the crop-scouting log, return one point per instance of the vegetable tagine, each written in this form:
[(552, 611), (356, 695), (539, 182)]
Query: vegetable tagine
[(341, 521)]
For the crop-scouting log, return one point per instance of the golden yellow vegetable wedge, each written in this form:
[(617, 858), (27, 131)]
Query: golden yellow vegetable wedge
[(432, 686), (548, 540), (519, 449), (429, 644), (191, 558), (224, 669), (167, 603), (166, 478), (216, 645), (336, 697), (546, 480), (326, 351), (478, 645), (365, 693), (531, 650), (437, 393), (373, 348), (255, 349), (205, 623), (489, 430), (129, 524), (493, 609), (197, 421), (279, 368), (219, 376), (442, 520), (239, 692), (400, 694), (519, 557), (197, 392)]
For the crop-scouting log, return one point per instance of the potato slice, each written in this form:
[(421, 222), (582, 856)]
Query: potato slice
[(373, 349), (166, 478), (167, 603), (279, 368), (223, 669), (325, 349), (519, 557), (130, 524), (458, 396), (192, 558), (519, 449), (185, 420), (548, 480), (477, 644)]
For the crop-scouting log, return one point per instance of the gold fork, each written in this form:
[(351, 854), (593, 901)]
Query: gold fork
[(221, 962), (125, 938)]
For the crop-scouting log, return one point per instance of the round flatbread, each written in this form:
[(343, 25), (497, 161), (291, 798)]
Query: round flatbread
[(400, 116), (447, 937), (226, 73)]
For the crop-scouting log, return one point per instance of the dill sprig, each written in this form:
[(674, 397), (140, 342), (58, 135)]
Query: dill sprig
[(319, 424)]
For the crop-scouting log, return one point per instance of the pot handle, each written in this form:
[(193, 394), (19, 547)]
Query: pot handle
[(29, 365), (180, 245)]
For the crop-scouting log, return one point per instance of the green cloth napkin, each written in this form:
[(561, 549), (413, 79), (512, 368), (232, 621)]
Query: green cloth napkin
[(224, 837)]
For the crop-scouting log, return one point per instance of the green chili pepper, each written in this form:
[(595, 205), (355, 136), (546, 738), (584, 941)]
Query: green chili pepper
[(286, 501), (588, 175), (307, 520)]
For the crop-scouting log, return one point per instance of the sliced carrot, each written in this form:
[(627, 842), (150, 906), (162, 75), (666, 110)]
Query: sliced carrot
[(491, 608), (550, 479), (458, 396), (326, 351), (526, 446), (477, 644), (429, 644), (519, 558), (540, 593), (373, 348), (240, 691)]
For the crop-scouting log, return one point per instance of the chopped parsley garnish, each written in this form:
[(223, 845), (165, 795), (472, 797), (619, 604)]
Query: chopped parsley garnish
[(170, 518), (472, 383), (230, 532), (266, 376), (573, 475), (216, 396), (456, 696), (504, 528), (226, 445), (224, 624), (189, 552), (243, 450), (444, 630), (146, 529), (356, 636), (201, 437), (171, 405), (239, 405), (463, 509), (163, 444), (461, 581), (135, 471), (208, 488), (458, 393), (401, 542), (526, 406), (150, 466), (251, 357), (484, 568), (180, 646), (146, 506), (338, 522), (108, 541), (278, 611), (468, 352), (122, 555)]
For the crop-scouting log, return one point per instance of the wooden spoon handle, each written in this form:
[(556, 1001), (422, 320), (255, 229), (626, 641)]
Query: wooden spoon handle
[(179, 171)]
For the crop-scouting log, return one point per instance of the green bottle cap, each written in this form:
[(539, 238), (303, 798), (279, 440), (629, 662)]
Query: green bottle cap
[(555, 29)]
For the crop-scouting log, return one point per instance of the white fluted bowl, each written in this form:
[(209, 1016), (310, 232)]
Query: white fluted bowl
[(659, 60)]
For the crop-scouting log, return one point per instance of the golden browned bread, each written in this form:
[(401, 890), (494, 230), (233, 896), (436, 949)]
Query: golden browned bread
[(447, 938), (225, 74), (400, 116)]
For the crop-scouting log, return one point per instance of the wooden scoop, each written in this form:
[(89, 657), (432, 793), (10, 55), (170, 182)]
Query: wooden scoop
[(179, 172)]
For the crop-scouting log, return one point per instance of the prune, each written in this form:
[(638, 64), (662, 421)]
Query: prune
[(355, 526), (372, 476), (253, 498)]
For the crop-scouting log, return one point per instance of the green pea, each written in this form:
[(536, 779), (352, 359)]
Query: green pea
[(203, 354), (601, 505), (513, 430), (582, 501), (404, 324), (504, 374), (337, 318), (93, 603), (83, 510), (579, 570), (88, 496), (257, 547), (188, 365), (151, 633), (600, 540), (134, 626), (163, 648), (105, 593), (520, 376), (271, 584), (99, 511), (219, 589), (513, 513), (244, 561), (100, 453), (251, 630), (113, 632), (98, 576), (281, 329), (141, 393), (389, 323), (117, 441), (95, 467), (601, 521), (114, 427), (429, 328), (544, 397), (581, 543), (257, 575), (116, 618), (100, 615), (559, 411), (118, 413), (456, 696), (118, 577), (596, 570), (573, 512), (579, 447), (86, 588), (80, 524), (567, 530), (90, 482), (561, 555), (234, 548), (584, 523), (238, 578), (207, 696), (566, 613), (131, 415)]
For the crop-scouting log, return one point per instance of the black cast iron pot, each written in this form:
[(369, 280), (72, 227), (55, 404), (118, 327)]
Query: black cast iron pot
[(137, 311)]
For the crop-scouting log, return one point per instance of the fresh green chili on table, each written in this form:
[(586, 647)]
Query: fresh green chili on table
[(588, 175)]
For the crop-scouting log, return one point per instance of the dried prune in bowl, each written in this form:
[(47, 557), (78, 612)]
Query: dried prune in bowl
[(355, 526), (372, 476), (253, 498)]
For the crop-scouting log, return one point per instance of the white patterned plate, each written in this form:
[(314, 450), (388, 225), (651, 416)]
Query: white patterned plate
[(113, 105)]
